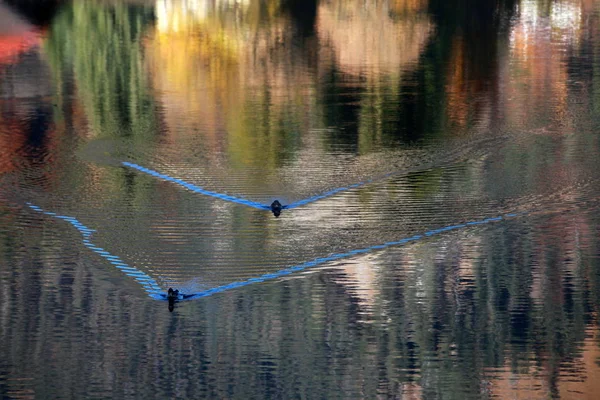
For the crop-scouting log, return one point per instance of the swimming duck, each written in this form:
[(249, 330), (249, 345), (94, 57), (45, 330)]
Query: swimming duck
[(172, 295), (276, 208)]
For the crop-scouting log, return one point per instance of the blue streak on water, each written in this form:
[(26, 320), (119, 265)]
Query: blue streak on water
[(319, 197), (340, 189), (147, 283), (155, 292), (332, 257), (198, 189)]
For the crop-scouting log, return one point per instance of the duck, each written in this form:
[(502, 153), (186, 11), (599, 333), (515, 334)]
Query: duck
[(172, 296), (276, 208)]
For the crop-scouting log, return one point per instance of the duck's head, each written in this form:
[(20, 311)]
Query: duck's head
[(276, 208)]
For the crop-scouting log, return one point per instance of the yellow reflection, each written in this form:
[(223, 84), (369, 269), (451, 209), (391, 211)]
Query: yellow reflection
[(232, 71), (193, 60), (221, 69)]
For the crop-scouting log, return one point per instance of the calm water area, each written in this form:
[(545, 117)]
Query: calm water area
[(438, 163)]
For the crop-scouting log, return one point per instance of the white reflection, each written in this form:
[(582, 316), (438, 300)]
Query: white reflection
[(566, 16), (562, 22), (174, 16), (540, 40)]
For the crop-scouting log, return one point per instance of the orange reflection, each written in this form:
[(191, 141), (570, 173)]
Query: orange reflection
[(458, 99), (466, 87), (544, 382), (14, 45), (16, 38), (16, 129), (10, 144)]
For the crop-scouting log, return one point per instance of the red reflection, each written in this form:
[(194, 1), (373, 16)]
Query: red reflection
[(16, 36), (11, 46)]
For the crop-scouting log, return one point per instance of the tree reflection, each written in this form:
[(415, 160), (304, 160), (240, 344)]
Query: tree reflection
[(100, 45), (224, 70)]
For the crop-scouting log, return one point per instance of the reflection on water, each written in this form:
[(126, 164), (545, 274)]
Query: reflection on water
[(107, 66), (143, 144), (385, 38)]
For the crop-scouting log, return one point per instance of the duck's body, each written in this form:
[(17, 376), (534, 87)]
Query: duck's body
[(172, 295), (276, 208)]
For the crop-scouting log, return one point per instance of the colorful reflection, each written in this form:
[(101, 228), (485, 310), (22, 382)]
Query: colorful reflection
[(258, 91), (222, 71), (26, 126), (233, 71), (106, 65)]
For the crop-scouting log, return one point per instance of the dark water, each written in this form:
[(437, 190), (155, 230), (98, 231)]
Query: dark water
[(440, 163)]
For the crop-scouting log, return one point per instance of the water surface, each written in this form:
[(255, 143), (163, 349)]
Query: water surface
[(440, 166)]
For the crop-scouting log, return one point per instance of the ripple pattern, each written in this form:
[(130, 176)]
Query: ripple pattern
[(154, 291), (333, 257), (198, 189), (147, 283), (450, 156)]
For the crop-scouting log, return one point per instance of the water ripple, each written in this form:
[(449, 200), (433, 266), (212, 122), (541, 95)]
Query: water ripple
[(154, 290), (198, 189), (333, 257), (147, 283), (451, 156)]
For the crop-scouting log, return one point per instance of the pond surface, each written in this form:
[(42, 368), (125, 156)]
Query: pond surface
[(439, 163)]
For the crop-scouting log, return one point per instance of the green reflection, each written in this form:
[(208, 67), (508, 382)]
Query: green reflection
[(100, 46)]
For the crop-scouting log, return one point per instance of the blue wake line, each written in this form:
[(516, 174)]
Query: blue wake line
[(148, 284), (257, 205), (330, 193), (198, 189), (246, 202), (154, 291), (333, 257)]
